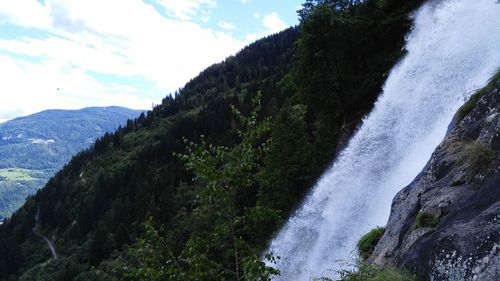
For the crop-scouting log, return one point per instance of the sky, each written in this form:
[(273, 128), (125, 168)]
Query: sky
[(72, 54)]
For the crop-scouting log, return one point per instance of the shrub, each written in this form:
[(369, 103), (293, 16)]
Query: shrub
[(425, 219), (367, 242)]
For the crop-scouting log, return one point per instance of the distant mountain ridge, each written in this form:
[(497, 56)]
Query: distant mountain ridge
[(33, 147)]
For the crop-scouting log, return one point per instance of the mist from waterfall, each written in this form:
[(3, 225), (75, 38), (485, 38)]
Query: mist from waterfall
[(453, 49)]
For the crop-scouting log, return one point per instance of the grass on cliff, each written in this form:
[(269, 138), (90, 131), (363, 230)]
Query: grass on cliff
[(425, 219), (472, 102), (367, 242), (478, 155), (367, 272)]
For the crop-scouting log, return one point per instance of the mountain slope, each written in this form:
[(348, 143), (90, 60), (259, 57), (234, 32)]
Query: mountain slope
[(34, 147), (126, 176), (94, 210)]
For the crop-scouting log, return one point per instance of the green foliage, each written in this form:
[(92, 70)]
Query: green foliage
[(64, 270), (288, 168), (219, 250), (368, 242), (151, 258), (425, 219), (367, 272), (223, 174), (345, 51), (468, 106)]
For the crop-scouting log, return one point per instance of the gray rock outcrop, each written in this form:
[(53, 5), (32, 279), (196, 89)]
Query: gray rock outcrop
[(446, 224)]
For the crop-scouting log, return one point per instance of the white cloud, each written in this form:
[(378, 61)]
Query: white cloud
[(27, 13), (226, 25), (273, 24), (256, 15), (85, 40), (244, 1), (32, 87), (186, 9)]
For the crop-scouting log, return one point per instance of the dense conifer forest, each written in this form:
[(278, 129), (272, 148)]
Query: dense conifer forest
[(195, 188)]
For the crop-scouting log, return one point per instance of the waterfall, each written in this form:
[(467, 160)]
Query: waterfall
[(453, 49), (37, 233)]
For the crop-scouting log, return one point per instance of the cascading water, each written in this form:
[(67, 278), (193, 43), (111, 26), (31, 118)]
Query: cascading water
[(453, 49)]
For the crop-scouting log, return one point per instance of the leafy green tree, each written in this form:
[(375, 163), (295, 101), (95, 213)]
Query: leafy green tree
[(219, 247), (220, 251), (152, 259)]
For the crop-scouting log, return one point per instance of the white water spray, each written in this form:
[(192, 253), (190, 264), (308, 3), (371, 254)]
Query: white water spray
[(453, 49)]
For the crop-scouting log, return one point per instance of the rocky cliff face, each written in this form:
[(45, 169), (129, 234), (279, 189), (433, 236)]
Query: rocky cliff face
[(446, 224)]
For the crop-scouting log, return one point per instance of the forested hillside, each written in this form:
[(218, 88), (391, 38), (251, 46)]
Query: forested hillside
[(33, 148), (194, 189)]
